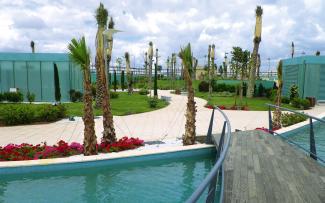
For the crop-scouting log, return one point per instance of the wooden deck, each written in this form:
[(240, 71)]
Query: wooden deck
[(262, 168)]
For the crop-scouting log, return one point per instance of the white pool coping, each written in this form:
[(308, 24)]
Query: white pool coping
[(102, 156)]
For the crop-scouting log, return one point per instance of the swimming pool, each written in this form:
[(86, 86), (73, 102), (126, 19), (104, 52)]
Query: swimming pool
[(300, 137), (172, 179)]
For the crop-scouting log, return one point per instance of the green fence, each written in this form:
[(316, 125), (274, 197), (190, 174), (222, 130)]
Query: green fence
[(34, 72), (308, 73)]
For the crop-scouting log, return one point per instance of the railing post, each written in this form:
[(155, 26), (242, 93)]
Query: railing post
[(213, 183), (270, 119), (208, 139), (312, 140)]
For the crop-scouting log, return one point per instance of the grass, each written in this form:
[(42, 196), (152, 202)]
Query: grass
[(123, 105), (254, 104)]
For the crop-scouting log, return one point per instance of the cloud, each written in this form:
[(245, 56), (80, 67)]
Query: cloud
[(169, 24)]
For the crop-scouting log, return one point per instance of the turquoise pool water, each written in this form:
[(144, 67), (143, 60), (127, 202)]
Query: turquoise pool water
[(301, 137), (169, 180)]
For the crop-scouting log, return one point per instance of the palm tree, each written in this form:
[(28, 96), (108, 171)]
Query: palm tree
[(80, 54), (209, 72), (277, 113), (257, 40), (128, 72), (101, 17), (109, 135), (32, 45), (187, 58), (150, 57)]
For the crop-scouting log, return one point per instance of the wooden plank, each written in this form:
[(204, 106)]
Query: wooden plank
[(263, 168)]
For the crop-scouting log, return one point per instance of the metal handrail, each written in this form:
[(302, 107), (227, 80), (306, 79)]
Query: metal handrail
[(312, 152), (210, 179)]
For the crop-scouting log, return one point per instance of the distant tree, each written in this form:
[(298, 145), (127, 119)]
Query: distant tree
[(155, 88), (115, 81), (122, 80), (57, 90), (32, 45), (317, 53)]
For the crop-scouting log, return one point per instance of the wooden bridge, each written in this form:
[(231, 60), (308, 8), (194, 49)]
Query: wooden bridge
[(260, 167)]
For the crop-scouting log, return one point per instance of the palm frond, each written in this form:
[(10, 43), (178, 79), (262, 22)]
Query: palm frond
[(79, 52), (186, 55), (101, 15), (259, 11)]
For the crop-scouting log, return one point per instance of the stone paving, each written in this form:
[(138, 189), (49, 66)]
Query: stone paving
[(163, 124)]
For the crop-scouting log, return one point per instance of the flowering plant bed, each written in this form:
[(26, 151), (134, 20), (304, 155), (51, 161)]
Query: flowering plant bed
[(13, 152), (222, 107)]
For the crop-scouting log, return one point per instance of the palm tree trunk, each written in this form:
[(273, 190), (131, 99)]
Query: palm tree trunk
[(189, 136), (252, 74), (90, 140), (99, 87)]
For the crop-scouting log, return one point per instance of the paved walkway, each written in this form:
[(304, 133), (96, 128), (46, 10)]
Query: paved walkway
[(263, 168), (163, 124)]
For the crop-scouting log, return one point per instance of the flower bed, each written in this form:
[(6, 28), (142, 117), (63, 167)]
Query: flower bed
[(222, 107), (13, 152)]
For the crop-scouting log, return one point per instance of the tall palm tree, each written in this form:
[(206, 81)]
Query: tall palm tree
[(257, 40), (277, 112), (150, 57), (128, 72), (80, 54), (101, 17), (189, 137), (212, 68), (109, 135), (209, 72)]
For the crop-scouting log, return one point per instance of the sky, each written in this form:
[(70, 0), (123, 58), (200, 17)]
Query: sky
[(169, 24)]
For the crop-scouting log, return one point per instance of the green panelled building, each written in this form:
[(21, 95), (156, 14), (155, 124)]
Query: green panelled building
[(34, 72), (308, 73)]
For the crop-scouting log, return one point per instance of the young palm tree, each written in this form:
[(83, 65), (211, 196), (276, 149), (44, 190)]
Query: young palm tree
[(101, 17), (257, 40), (187, 58), (277, 112), (128, 72), (109, 135), (80, 54)]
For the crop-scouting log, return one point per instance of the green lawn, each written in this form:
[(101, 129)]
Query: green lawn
[(254, 104), (123, 105)]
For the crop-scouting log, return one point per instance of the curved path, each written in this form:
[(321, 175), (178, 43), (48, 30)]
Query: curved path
[(163, 124)]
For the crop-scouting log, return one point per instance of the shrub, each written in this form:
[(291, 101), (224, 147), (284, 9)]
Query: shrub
[(153, 102), (260, 90), (294, 92), (272, 94), (288, 119), (51, 113), (143, 91), (13, 96), (300, 103), (2, 98), (244, 89), (15, 115), (285, 100), (30, 97), (113, 95), (222, 87), (203, 86), (75, 96)]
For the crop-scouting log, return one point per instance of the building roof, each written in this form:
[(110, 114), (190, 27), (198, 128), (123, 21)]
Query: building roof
[(7, 56), (304, 59)]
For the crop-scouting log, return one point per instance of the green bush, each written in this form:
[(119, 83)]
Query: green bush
[(261, 90), (30, 97), (2, 98), (288, 119), (113, 95), (16, 114), (300, 103), (13, 96), (75, 96), (143, 91), (153, 102), (222, 87), (294, 92), (272, 94), (203, 86), (285, 100)]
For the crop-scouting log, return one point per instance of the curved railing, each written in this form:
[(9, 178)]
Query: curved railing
[(312, 143), (217, 171)]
